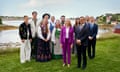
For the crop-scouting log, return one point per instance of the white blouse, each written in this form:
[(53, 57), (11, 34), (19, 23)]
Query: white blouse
[(67, 32), (34, 28), (53, 34), (40, 34)]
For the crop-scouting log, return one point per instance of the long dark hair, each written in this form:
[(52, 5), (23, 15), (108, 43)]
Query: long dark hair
[(76, 23)]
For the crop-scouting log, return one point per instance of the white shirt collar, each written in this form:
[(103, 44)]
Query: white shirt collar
[(82, 24)]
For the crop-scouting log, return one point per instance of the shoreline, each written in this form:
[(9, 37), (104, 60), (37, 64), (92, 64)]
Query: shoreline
[(10, 45), (18, 44), (7, 27), (10, 27)]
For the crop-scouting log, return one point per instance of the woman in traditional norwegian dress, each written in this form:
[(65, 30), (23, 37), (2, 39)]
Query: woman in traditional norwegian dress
[(55, 38), (43, 51)]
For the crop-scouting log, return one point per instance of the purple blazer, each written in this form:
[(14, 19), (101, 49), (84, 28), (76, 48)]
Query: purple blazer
[(63, 35)]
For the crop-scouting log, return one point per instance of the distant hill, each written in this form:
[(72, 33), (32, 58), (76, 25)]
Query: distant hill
[(11, 18)]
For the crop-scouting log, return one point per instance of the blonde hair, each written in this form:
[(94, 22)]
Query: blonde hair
[(46, 24), (69, 22)]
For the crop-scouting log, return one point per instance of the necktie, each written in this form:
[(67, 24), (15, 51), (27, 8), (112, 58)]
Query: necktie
[(81, 26), (91, 26)]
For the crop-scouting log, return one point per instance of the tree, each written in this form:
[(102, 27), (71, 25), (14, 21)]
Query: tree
[(101, 19), (0, 21), (114, 17)]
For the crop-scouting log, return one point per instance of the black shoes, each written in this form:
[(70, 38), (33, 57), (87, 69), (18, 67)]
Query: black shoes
[(78, 66), (83, 67), (91, 57)]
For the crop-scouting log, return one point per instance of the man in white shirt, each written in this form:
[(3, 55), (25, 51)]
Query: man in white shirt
[(34, 28)]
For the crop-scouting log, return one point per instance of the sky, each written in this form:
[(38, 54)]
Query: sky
[(69, 8)]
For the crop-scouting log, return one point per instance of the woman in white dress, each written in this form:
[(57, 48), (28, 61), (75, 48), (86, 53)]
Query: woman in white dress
[(55, 38)]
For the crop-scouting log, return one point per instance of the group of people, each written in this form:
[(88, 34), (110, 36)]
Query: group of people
[(55, 39)]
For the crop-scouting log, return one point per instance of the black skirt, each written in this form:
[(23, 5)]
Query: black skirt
[(43, 51)]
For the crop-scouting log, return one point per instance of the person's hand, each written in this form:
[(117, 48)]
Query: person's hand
[(90, 38), (30, 40), (54, 43), (78, 41), (46, 40), (60, 45), (71, 45), (23, 40)]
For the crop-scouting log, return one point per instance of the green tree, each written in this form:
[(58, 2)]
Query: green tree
[(114, 17), (0, 21), (101, 19)]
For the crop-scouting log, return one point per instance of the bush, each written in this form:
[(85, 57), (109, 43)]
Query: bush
[(0, 21)]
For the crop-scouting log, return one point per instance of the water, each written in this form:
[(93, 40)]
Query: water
[(8, 36), (13, 23), (13, 36), (101, 31)]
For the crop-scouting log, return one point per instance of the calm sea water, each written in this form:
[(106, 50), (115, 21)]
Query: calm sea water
[(8, 36), (13, 23), (12, 35)]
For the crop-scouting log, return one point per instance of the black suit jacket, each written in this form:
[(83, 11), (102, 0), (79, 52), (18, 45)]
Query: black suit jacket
[(82, 34), (23, 31), (93, 32)]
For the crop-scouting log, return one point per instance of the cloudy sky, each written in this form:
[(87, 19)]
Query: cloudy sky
[(69, 8)]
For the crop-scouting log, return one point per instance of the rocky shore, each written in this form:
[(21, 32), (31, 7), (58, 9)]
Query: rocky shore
[(10, 45)]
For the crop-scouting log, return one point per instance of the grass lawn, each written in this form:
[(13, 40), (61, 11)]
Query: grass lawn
[(107, 60)]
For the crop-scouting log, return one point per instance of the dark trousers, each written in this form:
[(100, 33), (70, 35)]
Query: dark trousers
[(91, 48), (34, 47), (74, 49), (81, 55)]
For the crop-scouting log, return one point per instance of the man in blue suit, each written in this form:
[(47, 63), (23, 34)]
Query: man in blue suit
[(82, 32), (93, 30)]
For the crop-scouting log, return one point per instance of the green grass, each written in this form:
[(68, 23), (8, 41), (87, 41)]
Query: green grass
[(107, 60)]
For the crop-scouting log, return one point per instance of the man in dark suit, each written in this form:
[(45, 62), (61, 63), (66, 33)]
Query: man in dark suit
[(93, 30), (81, 42)]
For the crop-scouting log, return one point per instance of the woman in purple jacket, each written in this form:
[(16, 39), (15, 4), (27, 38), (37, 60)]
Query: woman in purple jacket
[(66, 40)]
